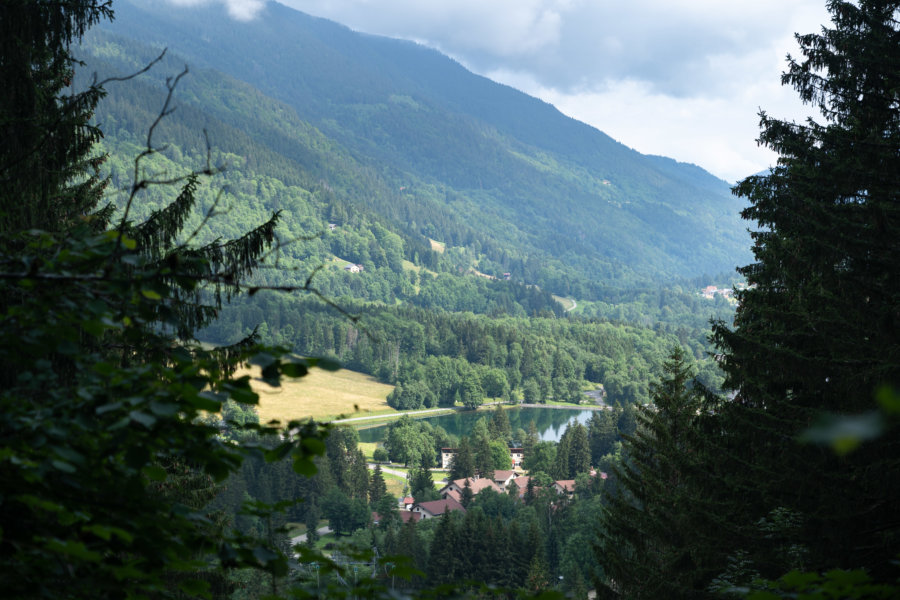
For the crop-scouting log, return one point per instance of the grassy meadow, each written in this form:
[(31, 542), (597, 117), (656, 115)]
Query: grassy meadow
[(321, 395)]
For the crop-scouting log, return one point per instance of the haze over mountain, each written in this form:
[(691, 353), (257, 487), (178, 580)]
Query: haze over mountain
[(446, 154)]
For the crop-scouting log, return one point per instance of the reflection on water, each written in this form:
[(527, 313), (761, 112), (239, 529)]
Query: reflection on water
[(550, 422)]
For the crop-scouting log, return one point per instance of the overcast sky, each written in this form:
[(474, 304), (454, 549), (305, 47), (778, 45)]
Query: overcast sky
[(680, 78)]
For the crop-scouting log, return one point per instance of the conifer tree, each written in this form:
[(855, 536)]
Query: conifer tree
[(359, 483), (645, 548), (579, 451), (531, 439), (377, 486), (466, 496), (421, 483), (602, 433), (463, 463), (484, 459), (444, 560), (816, 331), (47, 164), (499, 426), (563, 454)]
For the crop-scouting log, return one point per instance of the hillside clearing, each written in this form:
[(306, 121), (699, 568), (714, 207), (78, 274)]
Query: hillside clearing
[(320, 395), (567, 303)]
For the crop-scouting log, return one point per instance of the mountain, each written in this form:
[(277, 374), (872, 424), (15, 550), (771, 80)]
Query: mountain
[(441, 153)]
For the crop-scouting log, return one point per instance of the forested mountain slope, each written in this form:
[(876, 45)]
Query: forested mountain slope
[(458, 158)]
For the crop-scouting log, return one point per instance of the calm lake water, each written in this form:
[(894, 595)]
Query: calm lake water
[(550, 422)]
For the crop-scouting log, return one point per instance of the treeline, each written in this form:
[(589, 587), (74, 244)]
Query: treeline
[(439, 358)]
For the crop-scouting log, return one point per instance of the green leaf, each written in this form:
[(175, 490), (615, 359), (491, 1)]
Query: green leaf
[(74, 550), (208, 401), (278, 452), (93, 327), (106, 532), (63, 466), (845, 433), (150, 294), (262, 359), (155, 473), (889, 400), (313, 446), (293, 369), (272, 375), (195, 587), (244, 396), (68, 454), (163, 409), (145, 419), (304, 466), (67, 348), (328, 364)]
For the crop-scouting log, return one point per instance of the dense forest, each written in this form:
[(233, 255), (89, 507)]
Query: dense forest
[(277, 162), (141, 266)]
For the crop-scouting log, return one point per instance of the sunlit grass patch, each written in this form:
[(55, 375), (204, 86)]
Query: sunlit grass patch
[(321, 395)]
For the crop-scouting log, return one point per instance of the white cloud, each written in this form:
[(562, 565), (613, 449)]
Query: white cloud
[(241, 10)]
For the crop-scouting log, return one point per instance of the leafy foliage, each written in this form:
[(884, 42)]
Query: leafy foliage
[(107, 459)]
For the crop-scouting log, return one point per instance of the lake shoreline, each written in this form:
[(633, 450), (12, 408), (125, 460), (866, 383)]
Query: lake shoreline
[(550, 423)]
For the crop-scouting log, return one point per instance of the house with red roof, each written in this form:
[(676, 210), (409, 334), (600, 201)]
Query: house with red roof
[(435, 508), (564, 486)]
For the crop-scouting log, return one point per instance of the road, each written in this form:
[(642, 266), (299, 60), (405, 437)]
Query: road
[(392, 415), (385, 469), (301, 539)]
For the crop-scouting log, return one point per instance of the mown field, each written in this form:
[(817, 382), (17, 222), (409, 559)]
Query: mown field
[(322, 395)]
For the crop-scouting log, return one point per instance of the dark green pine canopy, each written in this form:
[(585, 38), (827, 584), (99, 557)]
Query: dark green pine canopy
[(818, 331)]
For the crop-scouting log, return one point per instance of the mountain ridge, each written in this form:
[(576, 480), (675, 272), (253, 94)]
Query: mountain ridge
[(417, 117)]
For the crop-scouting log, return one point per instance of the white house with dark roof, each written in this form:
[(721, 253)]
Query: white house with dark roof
[(447, 454)]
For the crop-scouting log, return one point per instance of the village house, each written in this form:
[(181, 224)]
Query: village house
[(502, 478), (521, 484), (517, 455), (454, 489), (435, 508), (564, 486), (351, 268), (447, 454), (499, 483)]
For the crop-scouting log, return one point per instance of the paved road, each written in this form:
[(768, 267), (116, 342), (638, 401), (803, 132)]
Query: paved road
[(566, 407), (301, 539), (392, 415), (385, 469)]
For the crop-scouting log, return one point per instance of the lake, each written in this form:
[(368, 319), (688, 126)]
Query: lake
[(550, 422)]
